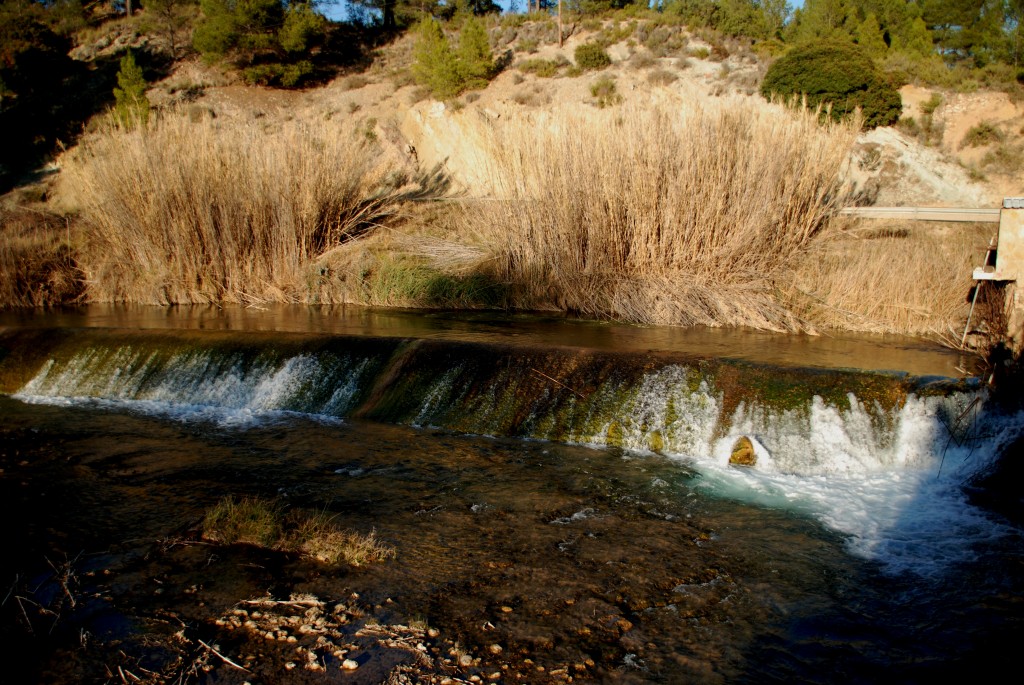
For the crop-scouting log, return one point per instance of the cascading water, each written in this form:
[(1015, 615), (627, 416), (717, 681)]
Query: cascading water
[(879, 458), (559, 497)]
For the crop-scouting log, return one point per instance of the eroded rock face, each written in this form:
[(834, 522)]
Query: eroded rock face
[(743, 453)]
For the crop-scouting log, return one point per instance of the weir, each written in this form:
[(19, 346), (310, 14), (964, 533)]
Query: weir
[(561, 489), (809, 421)]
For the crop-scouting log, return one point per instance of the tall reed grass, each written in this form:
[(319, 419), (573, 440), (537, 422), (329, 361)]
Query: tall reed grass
[(195, 211), (656, 217), (909, 278), (37, 261)]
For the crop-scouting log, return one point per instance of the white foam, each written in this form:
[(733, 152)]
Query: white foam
[(895, 504), (224, 390)]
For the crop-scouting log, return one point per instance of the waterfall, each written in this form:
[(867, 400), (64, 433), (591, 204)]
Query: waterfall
[(877, 457)]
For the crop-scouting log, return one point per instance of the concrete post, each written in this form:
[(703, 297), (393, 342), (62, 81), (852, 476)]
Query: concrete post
[(1010, 265)]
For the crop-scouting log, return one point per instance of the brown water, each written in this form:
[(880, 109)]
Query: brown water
[(623, 564)]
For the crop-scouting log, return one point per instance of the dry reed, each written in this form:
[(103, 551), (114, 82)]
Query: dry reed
[(909, 278), (37, 262), (196, 211), (655, 218)]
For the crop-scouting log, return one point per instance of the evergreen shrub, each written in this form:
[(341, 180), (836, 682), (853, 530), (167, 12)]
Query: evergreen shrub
[(838, 76), (591, 56)]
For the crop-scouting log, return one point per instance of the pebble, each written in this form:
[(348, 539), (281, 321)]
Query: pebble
[(495, 649), (475, 678), (433, 632), (465, 660), (506, 610), (350, 664), (290, 665)]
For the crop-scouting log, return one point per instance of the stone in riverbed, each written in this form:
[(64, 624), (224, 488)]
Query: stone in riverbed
[(743, 453)]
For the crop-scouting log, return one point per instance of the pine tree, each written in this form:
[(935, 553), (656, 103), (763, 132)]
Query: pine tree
[(434, 63), (870, 38), (475, 61), (915, 39), (132, 106)]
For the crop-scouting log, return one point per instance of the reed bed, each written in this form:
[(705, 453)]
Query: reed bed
[(195, 212), (911, 278), (651, 217), (37, 261)]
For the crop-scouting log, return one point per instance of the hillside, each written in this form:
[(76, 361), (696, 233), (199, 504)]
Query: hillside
[(949, 149), (893, 165)]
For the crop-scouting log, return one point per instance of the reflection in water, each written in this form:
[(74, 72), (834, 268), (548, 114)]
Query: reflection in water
[(873, 352)]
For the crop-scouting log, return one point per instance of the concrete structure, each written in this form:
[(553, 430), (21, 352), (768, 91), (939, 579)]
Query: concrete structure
[(1008, 247), (924, 214), (1009, 267)]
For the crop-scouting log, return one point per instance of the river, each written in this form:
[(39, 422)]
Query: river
[(557, 493)]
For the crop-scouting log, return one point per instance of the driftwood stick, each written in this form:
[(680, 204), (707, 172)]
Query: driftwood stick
[(223, 658), (557, 382)]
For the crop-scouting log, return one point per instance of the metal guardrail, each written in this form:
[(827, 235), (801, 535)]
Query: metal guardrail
[(990, 216)]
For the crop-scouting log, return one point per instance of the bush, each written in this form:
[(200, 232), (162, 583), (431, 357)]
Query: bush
[(661, 77), (544, 68), (982, 134), (605, 91), (590, 56), (837, 76)]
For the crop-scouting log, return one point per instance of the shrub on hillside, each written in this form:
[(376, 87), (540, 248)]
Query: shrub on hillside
[(544, 68), (838, 76), (267, 39), (131, 106), (982, 134), (605, 92), (447, 72), (591, 56)]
